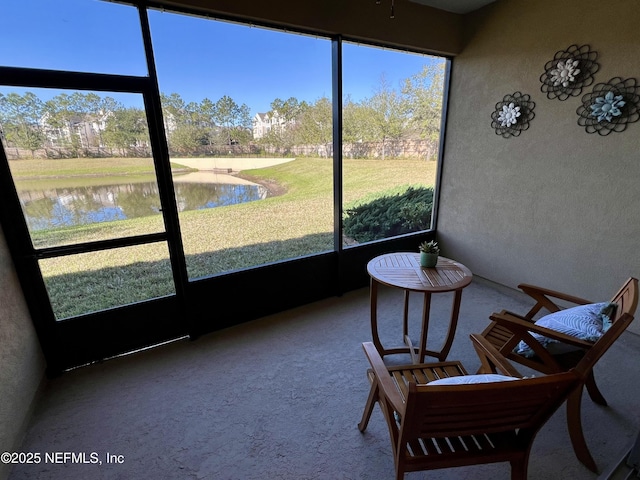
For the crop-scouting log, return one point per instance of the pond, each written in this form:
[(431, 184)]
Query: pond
[(51, 207)]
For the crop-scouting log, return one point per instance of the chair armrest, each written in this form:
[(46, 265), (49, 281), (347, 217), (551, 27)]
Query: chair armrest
[(525, 287), (543, 297), (386, 384), (491, 359), (515, 315), (520, 329)]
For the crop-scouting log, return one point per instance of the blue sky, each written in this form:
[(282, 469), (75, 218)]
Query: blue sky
[(195, 57)]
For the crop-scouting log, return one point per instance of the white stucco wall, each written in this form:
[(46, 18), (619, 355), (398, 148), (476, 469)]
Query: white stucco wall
[(22, 361), (555, 206)]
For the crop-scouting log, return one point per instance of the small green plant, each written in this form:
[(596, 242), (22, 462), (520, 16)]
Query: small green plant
[(429, 247)]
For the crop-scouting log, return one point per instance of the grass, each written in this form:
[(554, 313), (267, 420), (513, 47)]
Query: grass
[(297, 222), (79, 167)]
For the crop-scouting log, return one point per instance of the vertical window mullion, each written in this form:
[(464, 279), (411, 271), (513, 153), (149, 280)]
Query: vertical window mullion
[(443, 132), (163, 168), (337, 140)]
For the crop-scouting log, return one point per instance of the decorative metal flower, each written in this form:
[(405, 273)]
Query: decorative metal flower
[(569, 72), (565, 73), (509, 115), (512, 115), (607, 107), (610, 106)]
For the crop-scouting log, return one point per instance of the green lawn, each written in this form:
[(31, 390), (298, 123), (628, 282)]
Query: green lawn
[(78, 167), (296, 222)]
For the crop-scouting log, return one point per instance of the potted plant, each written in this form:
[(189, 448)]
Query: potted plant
[(429, 253)]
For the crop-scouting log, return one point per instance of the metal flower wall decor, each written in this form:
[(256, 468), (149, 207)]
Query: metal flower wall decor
[(610, 107), (569, 72), (512, 115)]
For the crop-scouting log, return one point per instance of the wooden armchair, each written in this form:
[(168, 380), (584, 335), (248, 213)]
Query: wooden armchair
[(441, 426), (508, 329)]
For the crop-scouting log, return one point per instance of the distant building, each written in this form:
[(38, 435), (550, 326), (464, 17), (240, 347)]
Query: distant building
[(263, 123), (87, 130)]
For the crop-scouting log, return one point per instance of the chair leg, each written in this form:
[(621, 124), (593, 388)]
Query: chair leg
[(574, 422), (398, 462), (368, 408), (520, 465), (399, 474), (518, 469), (594, 391)]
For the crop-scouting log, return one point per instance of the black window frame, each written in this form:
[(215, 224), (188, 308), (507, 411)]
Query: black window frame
[(96, 336)]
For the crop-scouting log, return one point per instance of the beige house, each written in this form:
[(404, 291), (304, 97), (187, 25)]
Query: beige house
[(263, 123)]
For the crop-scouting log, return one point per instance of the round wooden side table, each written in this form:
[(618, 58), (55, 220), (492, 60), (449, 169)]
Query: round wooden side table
[(402, 270)]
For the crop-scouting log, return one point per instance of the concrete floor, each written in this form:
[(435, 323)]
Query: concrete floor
[(280, 397)]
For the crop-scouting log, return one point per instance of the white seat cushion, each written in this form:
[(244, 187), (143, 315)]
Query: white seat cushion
[(468, 379)]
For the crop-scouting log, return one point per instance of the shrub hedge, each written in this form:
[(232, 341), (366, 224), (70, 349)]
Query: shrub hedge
[(390, 215)]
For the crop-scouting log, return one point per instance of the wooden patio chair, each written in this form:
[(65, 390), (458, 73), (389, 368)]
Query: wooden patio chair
[(441, 426), (508, 329)]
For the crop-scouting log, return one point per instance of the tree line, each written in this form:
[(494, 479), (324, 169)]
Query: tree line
[(80, 120)]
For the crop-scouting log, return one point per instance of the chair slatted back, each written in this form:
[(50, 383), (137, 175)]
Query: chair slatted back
[(626, 299), (593, 354), (454, 410), (627, 302)]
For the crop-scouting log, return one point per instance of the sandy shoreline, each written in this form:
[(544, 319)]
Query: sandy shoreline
[(210, 177), (235, 164), (209, 171)]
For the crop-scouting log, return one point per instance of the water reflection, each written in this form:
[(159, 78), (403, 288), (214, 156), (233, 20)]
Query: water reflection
[(56, 207)]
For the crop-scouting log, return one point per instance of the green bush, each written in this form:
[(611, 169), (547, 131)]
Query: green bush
[(390, 215)]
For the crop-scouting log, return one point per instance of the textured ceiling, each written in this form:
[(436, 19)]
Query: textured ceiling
[(455, 6)]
